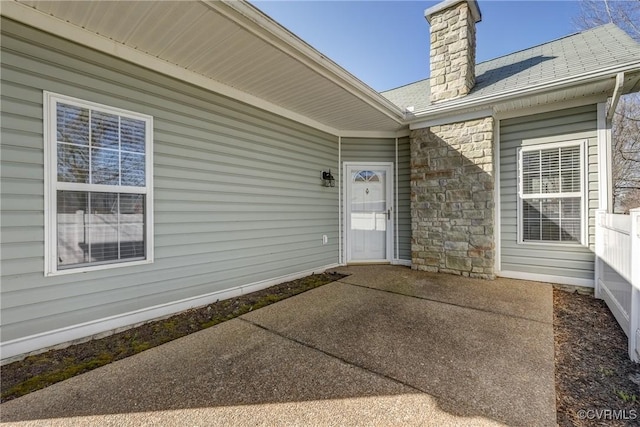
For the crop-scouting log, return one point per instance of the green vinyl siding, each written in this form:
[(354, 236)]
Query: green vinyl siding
[(403, 210), (368, 150), (576, 124), (384, 150), (237, 191)]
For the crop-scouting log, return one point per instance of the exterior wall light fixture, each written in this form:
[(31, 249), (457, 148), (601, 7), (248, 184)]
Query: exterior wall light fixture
[(327, 179)]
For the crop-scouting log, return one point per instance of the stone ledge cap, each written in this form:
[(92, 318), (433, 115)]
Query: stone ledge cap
[(473, 6)]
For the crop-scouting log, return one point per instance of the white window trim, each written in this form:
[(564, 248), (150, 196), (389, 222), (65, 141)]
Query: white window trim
[(51, 184), (583, 194)]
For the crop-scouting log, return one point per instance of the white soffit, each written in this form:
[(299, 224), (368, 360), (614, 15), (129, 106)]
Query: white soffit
[(234, 44)]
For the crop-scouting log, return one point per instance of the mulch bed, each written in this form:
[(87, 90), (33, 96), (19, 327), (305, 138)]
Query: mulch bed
[(41, 370), (596, 382)]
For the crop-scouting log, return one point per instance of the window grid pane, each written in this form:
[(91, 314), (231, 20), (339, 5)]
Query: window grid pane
[(570, 172), (551, 171), (133, 168), (105, 130), (72, 124), (98, 228), (132, 136), (99, 148), (555, 220), (73, 163), (105, 167)]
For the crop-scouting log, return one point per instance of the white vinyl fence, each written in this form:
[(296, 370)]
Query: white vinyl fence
[(617, 271)]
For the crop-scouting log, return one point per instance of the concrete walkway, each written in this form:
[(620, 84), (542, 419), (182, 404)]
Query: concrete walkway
[(384, 346)]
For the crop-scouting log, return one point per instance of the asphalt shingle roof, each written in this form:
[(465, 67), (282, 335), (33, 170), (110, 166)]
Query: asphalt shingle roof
[(580, 53)]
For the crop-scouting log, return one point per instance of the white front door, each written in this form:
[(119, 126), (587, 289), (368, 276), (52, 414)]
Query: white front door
[(369, 212)]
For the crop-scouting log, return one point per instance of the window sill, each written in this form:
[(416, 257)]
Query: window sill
[(100, 267), (555, 244)]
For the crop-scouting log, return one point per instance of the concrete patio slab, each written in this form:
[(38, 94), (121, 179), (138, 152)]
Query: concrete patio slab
[(340, 354), (384, 411), (234, 363), (232, 374), (475, 362), (518, 298)]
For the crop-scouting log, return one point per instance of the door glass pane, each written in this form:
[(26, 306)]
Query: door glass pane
[(368, 204)]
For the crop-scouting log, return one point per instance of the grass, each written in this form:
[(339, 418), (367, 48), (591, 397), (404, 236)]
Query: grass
[(70, 368), (626, 397)]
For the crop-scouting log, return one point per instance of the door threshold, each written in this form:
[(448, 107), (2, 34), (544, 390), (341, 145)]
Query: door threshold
[(369, 263)]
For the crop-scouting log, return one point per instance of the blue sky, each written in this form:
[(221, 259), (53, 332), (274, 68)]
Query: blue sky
[(385, 43)]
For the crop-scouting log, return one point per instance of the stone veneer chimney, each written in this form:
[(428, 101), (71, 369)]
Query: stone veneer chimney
[(453, 48), (452, 170)]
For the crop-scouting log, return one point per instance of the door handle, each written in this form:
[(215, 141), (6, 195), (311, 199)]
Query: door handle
[(389, 214)]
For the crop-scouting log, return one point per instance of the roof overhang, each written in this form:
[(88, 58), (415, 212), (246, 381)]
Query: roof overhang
[(252, 59), (257, 61), (594, 86)]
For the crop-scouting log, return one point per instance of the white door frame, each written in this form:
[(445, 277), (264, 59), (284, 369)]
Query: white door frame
[(390, 198)]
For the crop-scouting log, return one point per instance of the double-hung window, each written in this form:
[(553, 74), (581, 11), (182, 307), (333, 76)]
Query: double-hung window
[(552, 193), (98, 186)]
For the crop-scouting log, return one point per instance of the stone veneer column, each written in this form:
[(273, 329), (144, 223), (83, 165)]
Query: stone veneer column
[(452, 198), (452, 52)]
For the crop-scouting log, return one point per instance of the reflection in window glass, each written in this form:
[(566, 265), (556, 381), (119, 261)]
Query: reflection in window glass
[(105, 167), (101, 190), (73, 163), (132, 135), (99, 227), (100, 148), (366, 176), (131, 226), (133, 169), (72, 124), (105, 130)]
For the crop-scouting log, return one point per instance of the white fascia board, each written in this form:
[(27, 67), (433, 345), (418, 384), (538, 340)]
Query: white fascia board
[(488, 100), (545, 108), (261, 25), (451, 118), (53, 25)]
